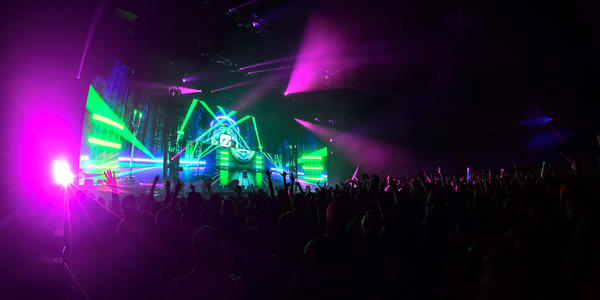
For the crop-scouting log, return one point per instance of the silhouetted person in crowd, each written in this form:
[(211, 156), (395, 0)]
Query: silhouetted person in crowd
[(208, 279)]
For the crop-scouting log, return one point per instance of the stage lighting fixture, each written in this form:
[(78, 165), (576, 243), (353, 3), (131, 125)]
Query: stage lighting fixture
[(285, 93), (255, 24), (183, 79), (62, 172)]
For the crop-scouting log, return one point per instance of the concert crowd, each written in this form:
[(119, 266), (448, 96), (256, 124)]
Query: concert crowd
[(498, 234)]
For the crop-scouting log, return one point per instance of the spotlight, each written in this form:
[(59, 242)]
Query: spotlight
[(285, 94), (62, 172), (331, 121), (255, 24), (317, 119), (331, 140), (183, 79)]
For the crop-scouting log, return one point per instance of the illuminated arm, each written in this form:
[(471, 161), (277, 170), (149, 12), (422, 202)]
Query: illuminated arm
[(292, 187), (284, 174), (151, 192), (271, 191)]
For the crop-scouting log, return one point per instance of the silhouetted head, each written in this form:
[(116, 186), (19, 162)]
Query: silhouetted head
[(371, 224), (208, 248), (299, 203), (338, 216), (227, 209)]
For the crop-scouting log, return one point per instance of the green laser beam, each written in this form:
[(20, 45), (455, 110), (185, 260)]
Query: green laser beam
[(188, 114), (257, 137)]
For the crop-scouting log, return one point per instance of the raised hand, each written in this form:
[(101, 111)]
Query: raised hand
[(167, 190), (111, 179)]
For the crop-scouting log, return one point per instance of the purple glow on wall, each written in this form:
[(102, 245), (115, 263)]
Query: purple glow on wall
[(374, 156), (550, 139), (95, 18), (270, 62), (536, 121)]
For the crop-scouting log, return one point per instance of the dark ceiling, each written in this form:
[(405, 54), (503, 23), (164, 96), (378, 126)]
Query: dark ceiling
[(469, 73)]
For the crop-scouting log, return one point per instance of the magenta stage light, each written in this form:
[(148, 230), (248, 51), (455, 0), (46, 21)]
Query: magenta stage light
[(62, 172), (270, 62), (321, 49), (183, 79), (234, 86), (241, 5), (270, 70), (185, 90)]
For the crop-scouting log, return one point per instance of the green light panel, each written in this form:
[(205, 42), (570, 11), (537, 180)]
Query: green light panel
[(96, 105), (95, 141), (108, 121), (312, 164)]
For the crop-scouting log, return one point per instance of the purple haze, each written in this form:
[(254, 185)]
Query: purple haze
[(252, 96), (372, 155), (341, 49)]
